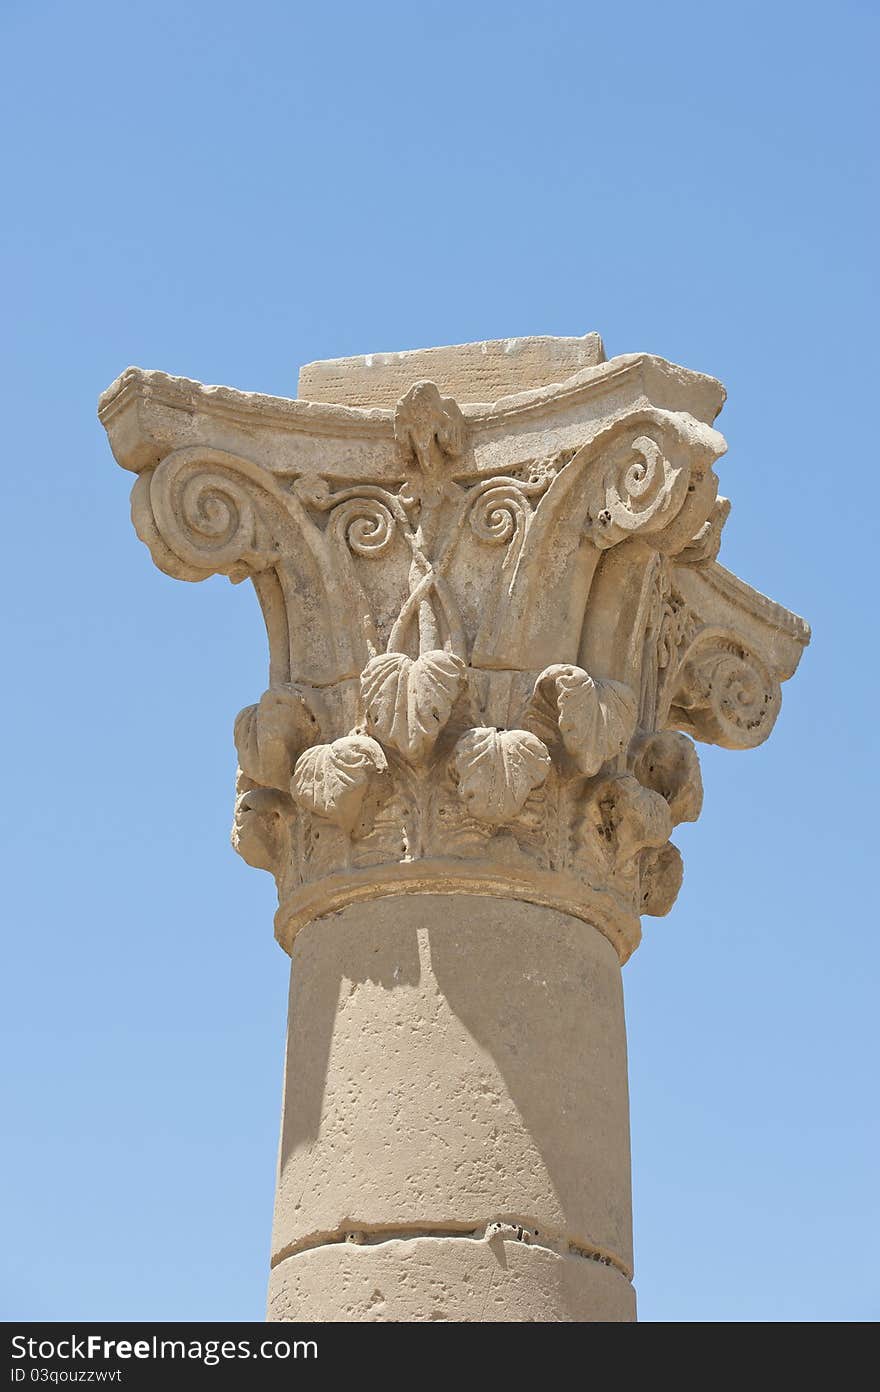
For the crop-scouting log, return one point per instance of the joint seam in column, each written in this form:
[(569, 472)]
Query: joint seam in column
[(511, 1230)]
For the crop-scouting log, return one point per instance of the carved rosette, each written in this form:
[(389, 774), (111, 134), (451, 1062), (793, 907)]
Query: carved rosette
[(480, 680)]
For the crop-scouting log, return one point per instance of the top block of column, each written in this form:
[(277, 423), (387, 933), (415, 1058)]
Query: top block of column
[(471, 372)]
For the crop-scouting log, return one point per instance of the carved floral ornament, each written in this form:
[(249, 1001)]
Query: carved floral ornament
[(479, 679)]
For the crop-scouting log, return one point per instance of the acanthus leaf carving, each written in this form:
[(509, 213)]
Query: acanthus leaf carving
[(596, 718), (260, 827), (428, 426), (667, 762), (496, 770), (677, 627), (408, 701), (270, 736), (333, 781), (706, 543), (660, 875), (629, 817)]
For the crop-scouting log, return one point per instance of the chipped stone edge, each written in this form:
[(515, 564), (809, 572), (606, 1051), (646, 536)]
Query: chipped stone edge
[(505, 1228), (439, 875), (287, 413)]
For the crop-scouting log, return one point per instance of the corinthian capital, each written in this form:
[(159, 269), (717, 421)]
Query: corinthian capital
[(495, 629)]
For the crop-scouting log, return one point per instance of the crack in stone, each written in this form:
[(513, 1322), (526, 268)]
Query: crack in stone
[(507, 1229)]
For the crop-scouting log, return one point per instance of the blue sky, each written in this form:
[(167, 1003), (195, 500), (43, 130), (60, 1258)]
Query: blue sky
[(226, 191)]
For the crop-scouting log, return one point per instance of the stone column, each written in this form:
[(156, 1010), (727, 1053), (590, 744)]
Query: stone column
[(455, 1141), (495, 631)]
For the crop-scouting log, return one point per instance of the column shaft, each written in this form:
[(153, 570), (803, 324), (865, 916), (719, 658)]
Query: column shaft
[(455, 1136)]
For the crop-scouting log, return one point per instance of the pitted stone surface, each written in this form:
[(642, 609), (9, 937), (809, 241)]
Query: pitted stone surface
[(451, 1059), (448, 1279), (466, 371), (479, 622)]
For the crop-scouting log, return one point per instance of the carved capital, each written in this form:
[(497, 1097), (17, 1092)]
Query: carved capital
[(494, 630)]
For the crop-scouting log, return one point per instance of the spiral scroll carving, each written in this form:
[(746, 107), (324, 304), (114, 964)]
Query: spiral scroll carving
[(200, 514), (500, 509), (643, 489), (725, 694), (499, 514), (366, 524)]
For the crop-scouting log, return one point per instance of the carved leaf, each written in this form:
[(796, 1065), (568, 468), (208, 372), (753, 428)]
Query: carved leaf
[(270, 735), (408, 701), (630, 817), (667, 762), (705, 545), (661, 872), (333, 780), (258, 827), (428, 425), (497, 769), (596, 718)]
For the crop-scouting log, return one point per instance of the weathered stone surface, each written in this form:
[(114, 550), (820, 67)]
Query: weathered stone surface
[(500, 1279), (508, 602), (497, 624), (453, 1060), (467, 371)]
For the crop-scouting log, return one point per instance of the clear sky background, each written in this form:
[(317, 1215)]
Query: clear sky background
[(225, 191)]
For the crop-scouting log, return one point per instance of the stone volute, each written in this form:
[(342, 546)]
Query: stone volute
[(496, 627)]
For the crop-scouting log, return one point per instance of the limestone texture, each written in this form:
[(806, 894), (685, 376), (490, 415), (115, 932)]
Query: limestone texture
[(497, 627), (508, 1277), (467, 371), (453, 1061)]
